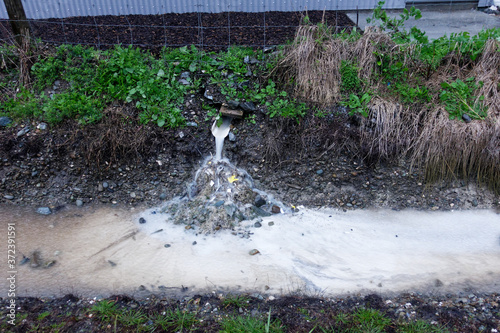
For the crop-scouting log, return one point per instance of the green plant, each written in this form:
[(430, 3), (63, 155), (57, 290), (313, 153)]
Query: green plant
[(131, 318), (459, 99), (358, 105), (43, 315), (239, 301), (105, 310), (175, 320), (286, 108), (248, 324), (395, 26), (350, 81)]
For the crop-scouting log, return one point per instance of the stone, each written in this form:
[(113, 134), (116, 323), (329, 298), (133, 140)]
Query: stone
[(232, 137), (185, 75), (466, 118), (253, 252), (132, 194), (167, 245), (259, 201), (142, 220), (44, 211), (276, 209), (271, 223), (42, 126), (100, 188), (5, 121), (319, 172), (105, 185), (79, 203), (475, 203), (248, 106), (191, 124), (257, 224), (8, 197), (184, 82), (163, 196), (260, 212), (208, 95), (219, 203), (233, 104), (23, 131)]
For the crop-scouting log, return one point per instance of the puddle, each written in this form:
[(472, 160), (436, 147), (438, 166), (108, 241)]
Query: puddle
[(105, 251)]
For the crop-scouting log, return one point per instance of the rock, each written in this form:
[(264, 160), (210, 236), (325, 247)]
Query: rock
[(44, 211), (208, 95), (163, 196), (5, 121), (219, 203), (260, 212), (23, 131), (195, 242), (79, 203), (466, 118), (166, 246), (142, 220), (184, 82), (259, 201), (275, 209), (105, 185), (132, 194), (257, 224), (100, 188), (253, 252), (319, 172), (475, 203), (35, 260), (191, 124), (42, 126), (233, 104), (8, 197), (185, 75), (248, 106), (232, 137)]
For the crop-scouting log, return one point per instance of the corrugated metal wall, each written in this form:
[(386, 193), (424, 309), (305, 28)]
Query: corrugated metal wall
[(485, 3), (40, 9)]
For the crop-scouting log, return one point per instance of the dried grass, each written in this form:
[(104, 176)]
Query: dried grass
[(390, 130), (448, 149)]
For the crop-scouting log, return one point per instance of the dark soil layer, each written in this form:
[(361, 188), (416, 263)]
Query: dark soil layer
[(207, 31), (451, 313)]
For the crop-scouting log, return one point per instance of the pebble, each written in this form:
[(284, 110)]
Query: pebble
[(191, 124), (275, 209), (44, 211), (257, 225), (163, 196), (219, 203), (319, 172), (79, 203), (42, 126), (271, 223), (8, 197), (23, 131), (167, 245), (132, 194), (142, 220), (105, 185), (253, 252), (232, 137)]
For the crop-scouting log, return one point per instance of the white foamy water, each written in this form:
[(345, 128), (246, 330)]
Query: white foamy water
[(106, 251)]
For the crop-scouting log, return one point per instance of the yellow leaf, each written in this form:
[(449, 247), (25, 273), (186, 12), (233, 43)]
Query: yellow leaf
[(232, 179)]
